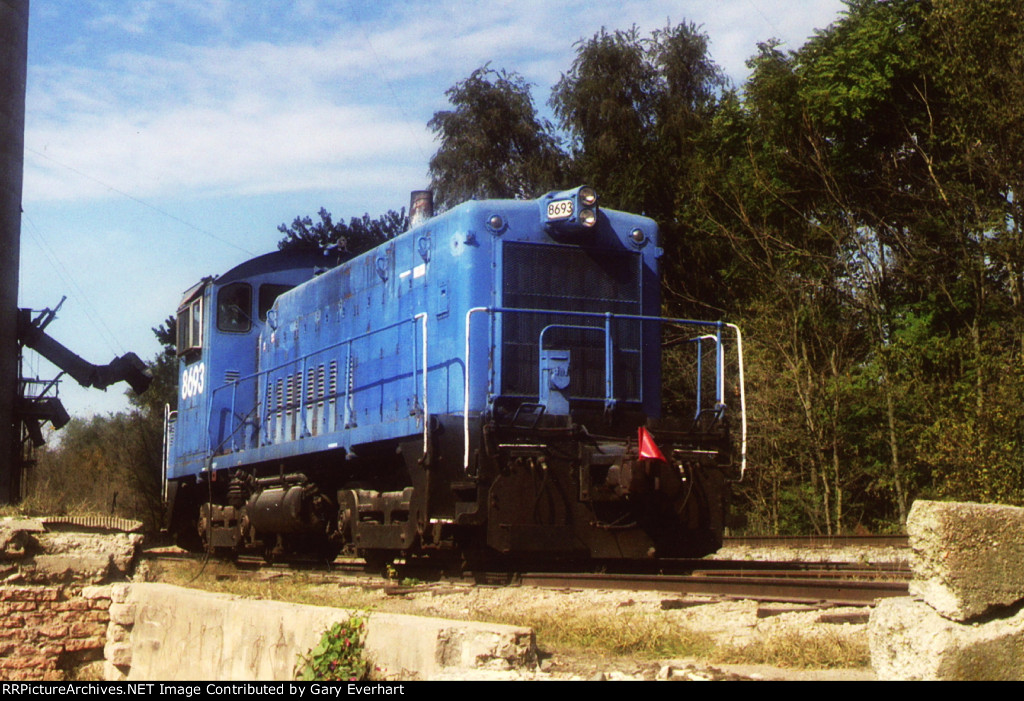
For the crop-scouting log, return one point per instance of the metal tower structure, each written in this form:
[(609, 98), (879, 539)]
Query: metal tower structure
[(13, 69)]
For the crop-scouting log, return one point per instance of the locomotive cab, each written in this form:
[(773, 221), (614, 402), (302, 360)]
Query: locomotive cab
[(218, 322)]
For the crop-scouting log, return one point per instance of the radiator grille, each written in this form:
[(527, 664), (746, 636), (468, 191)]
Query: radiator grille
[(568, 278)]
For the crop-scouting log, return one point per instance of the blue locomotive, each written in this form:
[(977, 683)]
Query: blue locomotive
[(487, 383)]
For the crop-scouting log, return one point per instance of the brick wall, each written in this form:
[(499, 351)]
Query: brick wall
[(47, 630)]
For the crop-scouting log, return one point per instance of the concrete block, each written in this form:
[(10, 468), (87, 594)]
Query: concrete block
[(183, 634), (119, 634), (118, 654), (119, 592), (97, 592), (910, 641), (113, 673), (90, 567), (122, 614), (119, 549), (26, 525), (967, 559), (14, 537)]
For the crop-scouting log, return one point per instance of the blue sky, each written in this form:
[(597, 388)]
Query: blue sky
[(167, 139)]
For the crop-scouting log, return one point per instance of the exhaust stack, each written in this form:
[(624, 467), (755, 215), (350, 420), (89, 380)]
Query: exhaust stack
[(421, 207)]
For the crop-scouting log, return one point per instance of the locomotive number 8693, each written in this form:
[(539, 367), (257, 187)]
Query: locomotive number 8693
[(486, 384)]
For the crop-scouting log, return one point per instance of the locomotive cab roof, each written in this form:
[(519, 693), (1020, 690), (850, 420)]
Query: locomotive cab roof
[(266, 263)]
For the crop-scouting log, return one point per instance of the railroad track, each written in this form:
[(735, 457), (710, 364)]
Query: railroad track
[(817, 541), (831, 583), (805, 587)]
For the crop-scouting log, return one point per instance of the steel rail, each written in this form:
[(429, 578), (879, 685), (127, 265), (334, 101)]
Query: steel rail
[(837, 591)]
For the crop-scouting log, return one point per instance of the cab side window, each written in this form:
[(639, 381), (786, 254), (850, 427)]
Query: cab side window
[(190, 326), (234, 308), (269, 293)]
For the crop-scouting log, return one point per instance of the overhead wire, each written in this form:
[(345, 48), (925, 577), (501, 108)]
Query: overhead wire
[(765, 17), (90, 309), (69, 280), (143, 203), (394, 94)]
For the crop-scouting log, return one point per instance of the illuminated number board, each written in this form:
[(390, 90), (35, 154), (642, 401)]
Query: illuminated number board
[(560, 209)]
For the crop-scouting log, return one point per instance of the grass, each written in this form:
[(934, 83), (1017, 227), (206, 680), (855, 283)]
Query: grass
[(634, 635), (650, 638), (298, 587), (800, 651)]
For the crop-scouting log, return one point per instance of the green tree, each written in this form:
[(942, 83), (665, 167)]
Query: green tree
[(338, 239), (635, 108), (865, 183), (606, 102), (492, 144)]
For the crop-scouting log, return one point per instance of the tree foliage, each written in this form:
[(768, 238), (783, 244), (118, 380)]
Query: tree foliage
[(492, 144), (338, 239), (634, 108), (855, 207)]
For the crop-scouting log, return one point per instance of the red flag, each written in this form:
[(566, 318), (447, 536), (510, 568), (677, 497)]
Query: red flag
[(648, 449)]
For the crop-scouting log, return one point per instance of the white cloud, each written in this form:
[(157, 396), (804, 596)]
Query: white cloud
[(240, 115), (260, 114)]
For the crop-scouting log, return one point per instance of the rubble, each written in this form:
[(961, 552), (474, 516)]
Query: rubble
[(966, 618), (967, 558), (55, 597)]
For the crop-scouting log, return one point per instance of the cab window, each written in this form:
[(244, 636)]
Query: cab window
[(268, 294), (190, 326), (234, 308)]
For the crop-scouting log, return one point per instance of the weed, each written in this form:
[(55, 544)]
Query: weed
[(339, 655)]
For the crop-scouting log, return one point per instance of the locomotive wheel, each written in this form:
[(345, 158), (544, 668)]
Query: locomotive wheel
[(705, 513), (203, 526), (225, 554), (187, 538), (377, 561), (273, 548), (183, 527)]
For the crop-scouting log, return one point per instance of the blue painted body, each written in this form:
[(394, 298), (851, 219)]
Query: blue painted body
[(338, 364), (478, 381)]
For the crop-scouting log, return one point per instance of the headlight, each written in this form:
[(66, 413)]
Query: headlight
[(570, 211)]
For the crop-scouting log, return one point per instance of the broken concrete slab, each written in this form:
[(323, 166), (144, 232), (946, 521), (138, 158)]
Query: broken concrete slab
[(968, 559), (40, 555), (183, 634), (910, 642), (79, 557), (120, 548), (15, 536), (86, 567), (28, 525)]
